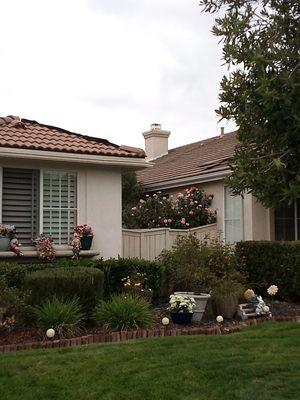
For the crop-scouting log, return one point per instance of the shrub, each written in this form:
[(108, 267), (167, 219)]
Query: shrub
[(14, 274), (190, 209), (192, 265), (268, 263), (65, 317), (12, 299), (64, 283), (118, 271), (124, 313)]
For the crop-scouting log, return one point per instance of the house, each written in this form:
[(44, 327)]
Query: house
[(51, 179), (206, 163)]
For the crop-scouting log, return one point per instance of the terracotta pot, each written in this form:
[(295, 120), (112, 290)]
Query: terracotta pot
[(226, 306)]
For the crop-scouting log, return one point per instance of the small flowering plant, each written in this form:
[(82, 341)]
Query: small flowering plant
[(8, 324), (84, 230), (45, 247), (7, 230), (181, 304), (137, 283)]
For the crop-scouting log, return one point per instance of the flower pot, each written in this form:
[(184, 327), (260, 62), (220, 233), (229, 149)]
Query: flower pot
[(201, 301), (4, 243), (86, 242), (181, 318), (226, 306)]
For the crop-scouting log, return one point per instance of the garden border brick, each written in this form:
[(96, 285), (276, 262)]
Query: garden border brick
[(115, 337)]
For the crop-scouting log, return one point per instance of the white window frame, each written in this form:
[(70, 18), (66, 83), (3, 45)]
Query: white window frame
[(41, 210), (226, 219)]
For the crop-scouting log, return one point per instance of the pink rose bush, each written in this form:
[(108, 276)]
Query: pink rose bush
[(189, 209)]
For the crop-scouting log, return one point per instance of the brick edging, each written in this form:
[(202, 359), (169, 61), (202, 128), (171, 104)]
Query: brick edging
[(114, 337)]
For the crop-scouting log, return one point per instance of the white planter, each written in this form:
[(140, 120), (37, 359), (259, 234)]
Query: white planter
[(201, 301)]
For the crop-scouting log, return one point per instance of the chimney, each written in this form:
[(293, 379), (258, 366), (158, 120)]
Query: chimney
[(156, 142), (222, 132)]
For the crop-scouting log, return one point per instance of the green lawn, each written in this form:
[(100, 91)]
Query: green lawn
[(262, 362)]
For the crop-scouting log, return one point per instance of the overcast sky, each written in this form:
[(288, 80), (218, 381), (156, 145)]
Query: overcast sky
[(110, 68)]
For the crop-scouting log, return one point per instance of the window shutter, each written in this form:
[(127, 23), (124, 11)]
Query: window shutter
[(19, 202)]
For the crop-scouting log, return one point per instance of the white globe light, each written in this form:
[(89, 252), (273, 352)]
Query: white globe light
[(266, 309), (165, 321), (50, 333), (219, 319)]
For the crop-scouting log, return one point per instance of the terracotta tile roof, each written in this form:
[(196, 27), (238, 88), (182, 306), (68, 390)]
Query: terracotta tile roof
[(27, 134), (207, 156)]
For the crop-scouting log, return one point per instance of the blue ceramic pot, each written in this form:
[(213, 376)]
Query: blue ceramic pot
[(4, 243)]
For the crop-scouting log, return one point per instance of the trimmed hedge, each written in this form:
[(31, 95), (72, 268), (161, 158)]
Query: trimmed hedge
[(86, 284), (268, 263), (114, 271)]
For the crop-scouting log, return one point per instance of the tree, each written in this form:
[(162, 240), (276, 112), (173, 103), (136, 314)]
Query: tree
[(261, 93), (131, 189)]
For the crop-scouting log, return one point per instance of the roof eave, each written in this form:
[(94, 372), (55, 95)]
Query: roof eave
[(186, 181), (41, 155)]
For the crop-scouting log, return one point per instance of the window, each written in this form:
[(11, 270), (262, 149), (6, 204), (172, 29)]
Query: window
[(287, 222), (233, 217), (59, 205), (35, 201), (20, 193)]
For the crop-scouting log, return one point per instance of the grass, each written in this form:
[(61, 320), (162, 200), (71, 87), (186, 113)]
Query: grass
[(262, 362)]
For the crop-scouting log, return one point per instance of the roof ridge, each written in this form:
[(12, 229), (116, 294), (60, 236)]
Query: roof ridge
[(90, 138), (204, 140)]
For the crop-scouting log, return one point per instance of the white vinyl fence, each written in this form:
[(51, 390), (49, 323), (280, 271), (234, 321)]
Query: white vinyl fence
[(149, 243)]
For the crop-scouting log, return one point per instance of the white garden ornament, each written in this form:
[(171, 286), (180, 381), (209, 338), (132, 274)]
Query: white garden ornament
[(219, 319), (50, 333), (165, 321)]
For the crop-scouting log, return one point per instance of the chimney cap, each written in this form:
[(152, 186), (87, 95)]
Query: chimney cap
[(155, 127)]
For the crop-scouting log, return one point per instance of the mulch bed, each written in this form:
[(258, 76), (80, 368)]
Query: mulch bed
[(23, 338)]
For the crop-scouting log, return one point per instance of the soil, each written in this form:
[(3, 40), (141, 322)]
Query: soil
[(29, 334)]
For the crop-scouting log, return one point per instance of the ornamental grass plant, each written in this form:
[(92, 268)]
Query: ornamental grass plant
[(124, 312)]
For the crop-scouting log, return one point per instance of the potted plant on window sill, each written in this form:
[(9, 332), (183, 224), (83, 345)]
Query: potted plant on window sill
[(181, 309), (6, 234), (86, 235)]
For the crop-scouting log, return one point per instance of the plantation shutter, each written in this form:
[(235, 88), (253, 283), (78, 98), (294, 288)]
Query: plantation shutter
[(233, 217), (59, 205), (20, 202)]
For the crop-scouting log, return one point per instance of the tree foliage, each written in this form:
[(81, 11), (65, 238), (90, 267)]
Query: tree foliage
[(261, 94), (131, 189)]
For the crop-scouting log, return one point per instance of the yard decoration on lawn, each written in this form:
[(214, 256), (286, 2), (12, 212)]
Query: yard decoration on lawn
[(186, 210), (181, 308), (256, 305), (76, 246), (86, 234)]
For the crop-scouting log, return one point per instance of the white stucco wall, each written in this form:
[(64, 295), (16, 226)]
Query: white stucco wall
[(99, 200)]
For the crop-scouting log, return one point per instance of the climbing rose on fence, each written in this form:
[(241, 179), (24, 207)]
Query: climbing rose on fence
[(188, 209)]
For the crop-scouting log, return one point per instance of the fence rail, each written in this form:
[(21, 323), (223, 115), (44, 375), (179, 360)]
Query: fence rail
[(149, 243)]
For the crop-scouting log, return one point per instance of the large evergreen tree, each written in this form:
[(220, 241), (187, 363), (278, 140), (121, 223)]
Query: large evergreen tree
[(261, 93)]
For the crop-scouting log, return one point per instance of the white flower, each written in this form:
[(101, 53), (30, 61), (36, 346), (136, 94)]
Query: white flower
[(272, 290), (219, 319)]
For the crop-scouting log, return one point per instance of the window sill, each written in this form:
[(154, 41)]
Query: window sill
[(60, 252)]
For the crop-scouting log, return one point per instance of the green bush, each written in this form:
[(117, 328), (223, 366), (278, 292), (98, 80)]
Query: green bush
[(65, 317), (197, 266), (124, 313), (117, 271), (12, 299), (268, 263), (65, 283)]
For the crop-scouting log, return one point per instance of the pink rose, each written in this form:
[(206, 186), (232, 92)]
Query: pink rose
[(182, 221), (165, 221), (169, 220)]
